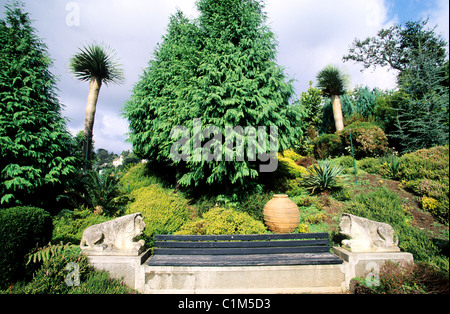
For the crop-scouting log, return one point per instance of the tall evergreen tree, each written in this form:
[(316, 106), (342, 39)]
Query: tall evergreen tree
[(221, 70), (423, 115), (34, 142)]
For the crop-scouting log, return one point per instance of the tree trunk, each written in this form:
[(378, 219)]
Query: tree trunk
[(337, 112), (94, 90)]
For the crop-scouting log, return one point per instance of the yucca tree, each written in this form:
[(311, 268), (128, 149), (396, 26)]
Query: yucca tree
[(333, 83), (95, 64)]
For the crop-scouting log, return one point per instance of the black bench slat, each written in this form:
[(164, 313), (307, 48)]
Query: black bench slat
[(242, 260), (241, 251), (241, 237), (239, 244)]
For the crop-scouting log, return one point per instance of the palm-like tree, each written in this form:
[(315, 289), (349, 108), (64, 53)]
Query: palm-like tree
[(97, 65), (333, 82)]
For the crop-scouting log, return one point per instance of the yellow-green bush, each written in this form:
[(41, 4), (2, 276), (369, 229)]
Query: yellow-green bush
[(223, 221), (303, 228), (429, 203), (316, 218), (137, 177), (163, 211), (425, 172), (286, 176), (292, 155), (288, 169)]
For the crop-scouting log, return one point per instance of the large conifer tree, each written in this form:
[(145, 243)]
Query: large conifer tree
[(219, 70), (34, 142)]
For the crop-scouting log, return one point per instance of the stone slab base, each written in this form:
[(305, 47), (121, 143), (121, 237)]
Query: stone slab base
[(240, 280), (122, 267), (362, 264)]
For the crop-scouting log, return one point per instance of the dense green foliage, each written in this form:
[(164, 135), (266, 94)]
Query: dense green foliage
[(327, 145), (35, 146), (220, 69), (136, 177), (21, 229), (423, 115), (50, 278), (68, 226), (223, 221), (426, 173)]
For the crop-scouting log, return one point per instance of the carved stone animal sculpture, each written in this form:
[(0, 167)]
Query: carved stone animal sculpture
[(117, 236), (367, 235)]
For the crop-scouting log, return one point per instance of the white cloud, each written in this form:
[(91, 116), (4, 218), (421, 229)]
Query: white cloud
[(109, 132), (439, 17), (312, 34)]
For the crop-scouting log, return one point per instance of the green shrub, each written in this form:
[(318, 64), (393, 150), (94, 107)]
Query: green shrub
[(50, 278), (223, 221), (327, 145), (390, 165), (368, 140), (370, 165), (163, 211), (425, 172), (324, 176), (413, 278), (254, 204), (345, 161), (68, 226), (306, 162), (343, 194), (430, 164), (21, 230)]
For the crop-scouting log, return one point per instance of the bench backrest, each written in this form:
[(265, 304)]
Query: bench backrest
[(241, 244)]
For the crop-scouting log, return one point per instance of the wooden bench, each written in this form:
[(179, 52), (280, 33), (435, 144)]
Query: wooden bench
[(243, 250)]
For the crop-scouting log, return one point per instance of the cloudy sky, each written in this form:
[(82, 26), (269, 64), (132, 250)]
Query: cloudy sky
[(310, 33)]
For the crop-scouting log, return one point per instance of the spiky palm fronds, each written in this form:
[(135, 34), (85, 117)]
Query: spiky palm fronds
[(96, 61), (324, 176), (332, 81)]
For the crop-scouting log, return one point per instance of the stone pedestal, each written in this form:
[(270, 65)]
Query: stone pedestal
[(243, 280), (362, 264), (121, 266)]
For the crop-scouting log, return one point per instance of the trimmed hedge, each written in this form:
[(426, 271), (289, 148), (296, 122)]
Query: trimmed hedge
[(21, 230)]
